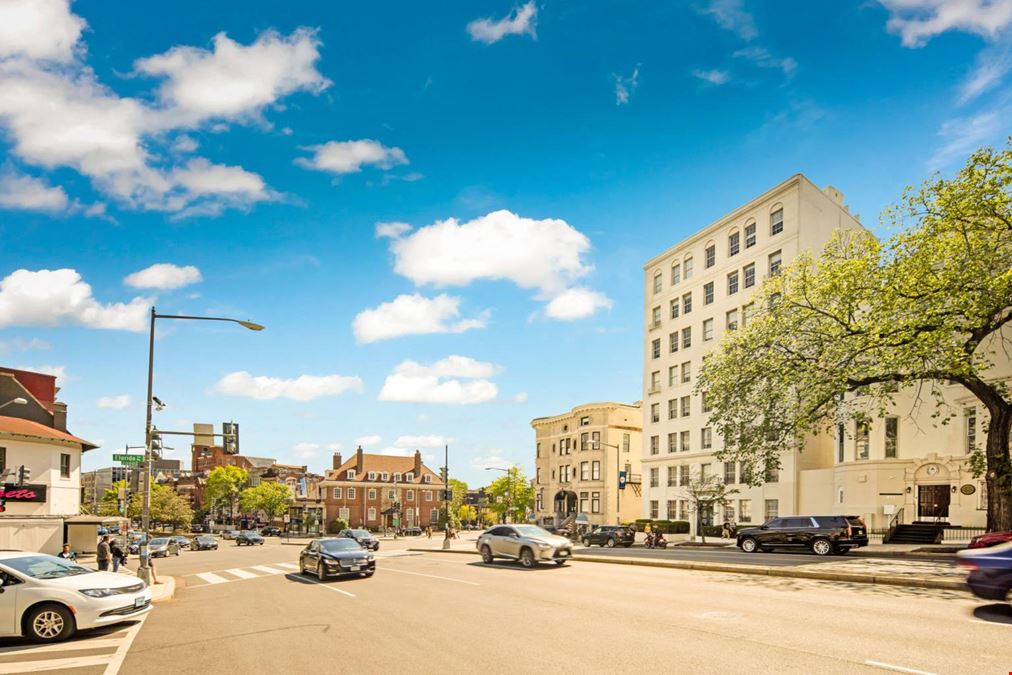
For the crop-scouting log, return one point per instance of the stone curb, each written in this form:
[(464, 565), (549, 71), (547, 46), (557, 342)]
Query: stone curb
[(163, 590), (762, 570)]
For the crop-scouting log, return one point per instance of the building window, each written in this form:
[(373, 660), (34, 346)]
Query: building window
[(708, 293), (704, 472), (706, 438), (840, 433), (625, 442), (595, 440), (654, 477), (672, 375), (746, 473), (397, 478), (673, 342), (434, 516), (745, 510), (748, 274), (537, 453), (971, 430), (672, 408), (672, 442), (772, 474), (777, 222), (584, 437), (686, 372), (683, 475), (685, 442), (655, 445), (676, 274), (685, 404), (729, 477), (686, 337), (655, 317), (595, 470), (584, 470), (675, 306), (672, 513), (707, 330), (733, 243), (672, 476), (892, 425), (655, 412), (655, 348), (707, 403), (428, 494), (427, 479), (775, 263), (710, 256), (731, 320), (371, 475), (372, 513), (657, 283), (391, 494), (337, 493), (772, 508), (653, 509), (371, 494), (64, 465), (862, 439), (683, 509), (687, 268), (732, 283), (747, 312), (686, 303), (344, 513), (595, 502), (750, 235), (655, 384), (351, 493), (351, 474)]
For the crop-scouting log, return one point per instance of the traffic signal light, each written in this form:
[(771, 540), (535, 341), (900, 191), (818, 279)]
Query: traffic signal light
[(230, 438), (443, 473), (24, 475)]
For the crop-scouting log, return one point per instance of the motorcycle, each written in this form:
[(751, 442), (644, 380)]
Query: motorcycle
[(656, 540)]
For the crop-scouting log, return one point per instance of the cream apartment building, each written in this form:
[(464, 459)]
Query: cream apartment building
[(582, 457), (695, 292)]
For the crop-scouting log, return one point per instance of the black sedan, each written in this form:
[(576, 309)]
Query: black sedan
[(204, 542), (271, 531), (610, 536), (336, 556), (363, 537), (249, 539)]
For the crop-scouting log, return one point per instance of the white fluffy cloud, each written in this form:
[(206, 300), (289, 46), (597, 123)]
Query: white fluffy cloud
[(39, 29), (301, 388), (114, 402), (365, 441), (715, 77), (233, 80), (917, 21), (993, 64), (164, 276), (58, 297), (341, 157), (520, 21), (23, 345), (306, 450), (491, 459), (413, 315), (27, 193), (391, 230), (576, 303), (455, 380), (59, 372), (731, 15), (963, 135)]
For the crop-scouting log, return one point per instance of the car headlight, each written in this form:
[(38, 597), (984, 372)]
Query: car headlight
[(544, 545), (101, 592)]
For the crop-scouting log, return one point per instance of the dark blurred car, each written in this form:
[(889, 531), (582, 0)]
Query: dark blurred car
[(249, 539), (161, 547), (336, 556), (196, 528), (822, 535), (990, 568), (990, 539), (271, 532), (182, 541), (610, 536), (204, 542), (412, 531), (363, 537), (230, 534)]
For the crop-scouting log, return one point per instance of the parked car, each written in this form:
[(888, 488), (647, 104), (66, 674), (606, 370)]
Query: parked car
[(184, 542), (205, 542), (990, 539), (135, 544), (271, 532), (249, 538), (162, 547), (412, 531), (363, 537), (610, 536), (336, 556), (230, 534), (823, 535), (529, 544), (197, 528), (990, 568), (48, 599)]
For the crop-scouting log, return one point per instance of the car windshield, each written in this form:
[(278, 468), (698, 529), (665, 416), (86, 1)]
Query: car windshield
[(205, 539), (532, 531), (45, 567), (159, 542), (335, 545), (360, 533)]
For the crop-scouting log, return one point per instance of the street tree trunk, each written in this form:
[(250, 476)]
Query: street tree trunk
[(999, 471)]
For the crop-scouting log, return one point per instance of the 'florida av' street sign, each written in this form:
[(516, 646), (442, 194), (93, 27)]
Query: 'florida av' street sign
[(128, 459)]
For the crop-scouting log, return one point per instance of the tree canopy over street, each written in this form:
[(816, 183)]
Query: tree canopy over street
[(270, 498), (511, 494), (224, 485), (837, 335)]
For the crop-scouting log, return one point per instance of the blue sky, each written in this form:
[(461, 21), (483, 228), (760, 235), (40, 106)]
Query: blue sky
[(440, 212)]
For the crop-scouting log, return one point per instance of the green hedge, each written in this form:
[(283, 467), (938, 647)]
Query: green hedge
[(665, 526), (716, 530), (336, 526)]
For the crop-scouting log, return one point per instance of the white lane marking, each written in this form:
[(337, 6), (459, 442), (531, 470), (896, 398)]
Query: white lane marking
[(211, 578), (898, 669), (241, 573), (124, 647), (395, 554), (432, 576), (287, 566), (329, 588), (267, 569), (74, 645), (54, 664)]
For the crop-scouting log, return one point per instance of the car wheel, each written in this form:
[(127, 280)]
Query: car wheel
[(822, 547), (611, 542), (749, 545), (527, 558), (49, 623), (486, 555), (586, 542), (320, 573)]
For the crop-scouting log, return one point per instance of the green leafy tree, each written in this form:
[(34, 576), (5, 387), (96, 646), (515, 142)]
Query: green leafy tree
[(270, 498), (459, 490), (706, 494), (110, 502), (466, 513), (224, 485), (511, 496), (837, 336)]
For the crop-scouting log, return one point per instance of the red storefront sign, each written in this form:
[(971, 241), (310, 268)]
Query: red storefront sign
[(25, 493)]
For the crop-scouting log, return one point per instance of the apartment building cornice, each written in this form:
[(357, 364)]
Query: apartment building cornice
[(586, 407)]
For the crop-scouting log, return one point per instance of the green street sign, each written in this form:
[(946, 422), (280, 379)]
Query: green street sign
[(128, 459)]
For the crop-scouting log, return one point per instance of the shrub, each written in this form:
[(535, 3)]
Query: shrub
[(336, 526)]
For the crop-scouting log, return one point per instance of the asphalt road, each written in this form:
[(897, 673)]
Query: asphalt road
[(248, 610), (738, 557)]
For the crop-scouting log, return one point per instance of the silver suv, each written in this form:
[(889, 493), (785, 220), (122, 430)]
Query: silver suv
[(527, 543)]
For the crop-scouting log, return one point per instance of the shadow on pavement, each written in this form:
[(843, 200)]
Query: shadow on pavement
[(515, 566), (14, 644), (310, 579), (996, 613)]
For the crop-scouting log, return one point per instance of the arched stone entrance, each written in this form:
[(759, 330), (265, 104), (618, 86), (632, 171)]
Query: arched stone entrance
[(565, 505)]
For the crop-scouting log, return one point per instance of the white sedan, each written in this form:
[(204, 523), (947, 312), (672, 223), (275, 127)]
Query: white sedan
[(47, 599)]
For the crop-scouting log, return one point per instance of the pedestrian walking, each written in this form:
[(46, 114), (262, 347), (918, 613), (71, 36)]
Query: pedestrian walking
[(726, 531), (67, 554), (428, 532), (103, 554), (118, 555)]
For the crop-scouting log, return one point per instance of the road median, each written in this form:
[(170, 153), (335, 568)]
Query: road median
[(760, 570)]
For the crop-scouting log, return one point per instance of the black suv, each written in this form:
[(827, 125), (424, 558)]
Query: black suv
[(821, 534), (610, 536)]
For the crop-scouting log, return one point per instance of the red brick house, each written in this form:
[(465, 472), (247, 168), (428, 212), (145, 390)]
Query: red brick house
[(364, 490)]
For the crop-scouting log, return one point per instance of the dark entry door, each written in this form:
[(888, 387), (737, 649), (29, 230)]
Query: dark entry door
[(933, 501)]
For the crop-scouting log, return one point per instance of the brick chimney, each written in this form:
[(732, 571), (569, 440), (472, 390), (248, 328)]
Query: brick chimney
[(337, 461), (359, 460), (418, 463)]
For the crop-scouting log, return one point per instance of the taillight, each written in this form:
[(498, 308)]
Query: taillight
[(968, 564)]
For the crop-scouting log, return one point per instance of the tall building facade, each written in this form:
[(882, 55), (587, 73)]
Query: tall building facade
[(695, 292), (579, 456)]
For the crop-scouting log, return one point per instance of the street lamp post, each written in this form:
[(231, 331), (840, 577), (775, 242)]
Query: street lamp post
[(14, 401), (509, 488), (144, 571)]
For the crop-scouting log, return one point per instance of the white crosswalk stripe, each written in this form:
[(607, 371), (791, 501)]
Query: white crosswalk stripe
[(211, 578), (268, 570), (241, 573), (287, 566), (90, 650)]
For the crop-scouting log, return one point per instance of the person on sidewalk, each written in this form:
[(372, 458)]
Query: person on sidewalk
[(118, 555), (67, 554), (727, 531), (103, 554)]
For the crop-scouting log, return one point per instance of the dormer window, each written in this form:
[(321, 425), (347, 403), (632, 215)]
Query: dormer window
[(371, 475), (410, 477), (397, 477), (428, 478), (385, 476)]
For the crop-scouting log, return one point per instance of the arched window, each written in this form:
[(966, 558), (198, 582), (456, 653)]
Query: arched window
[(687, 267), (750, 233), (776, 219), (709, 254), (733, 243), (658, 282)]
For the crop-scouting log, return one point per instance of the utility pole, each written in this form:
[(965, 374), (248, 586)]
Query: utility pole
[(446, 502)]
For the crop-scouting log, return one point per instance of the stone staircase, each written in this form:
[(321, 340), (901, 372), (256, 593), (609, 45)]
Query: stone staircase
[(916, 533)]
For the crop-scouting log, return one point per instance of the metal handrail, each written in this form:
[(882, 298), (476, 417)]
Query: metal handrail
[(896, 521)]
